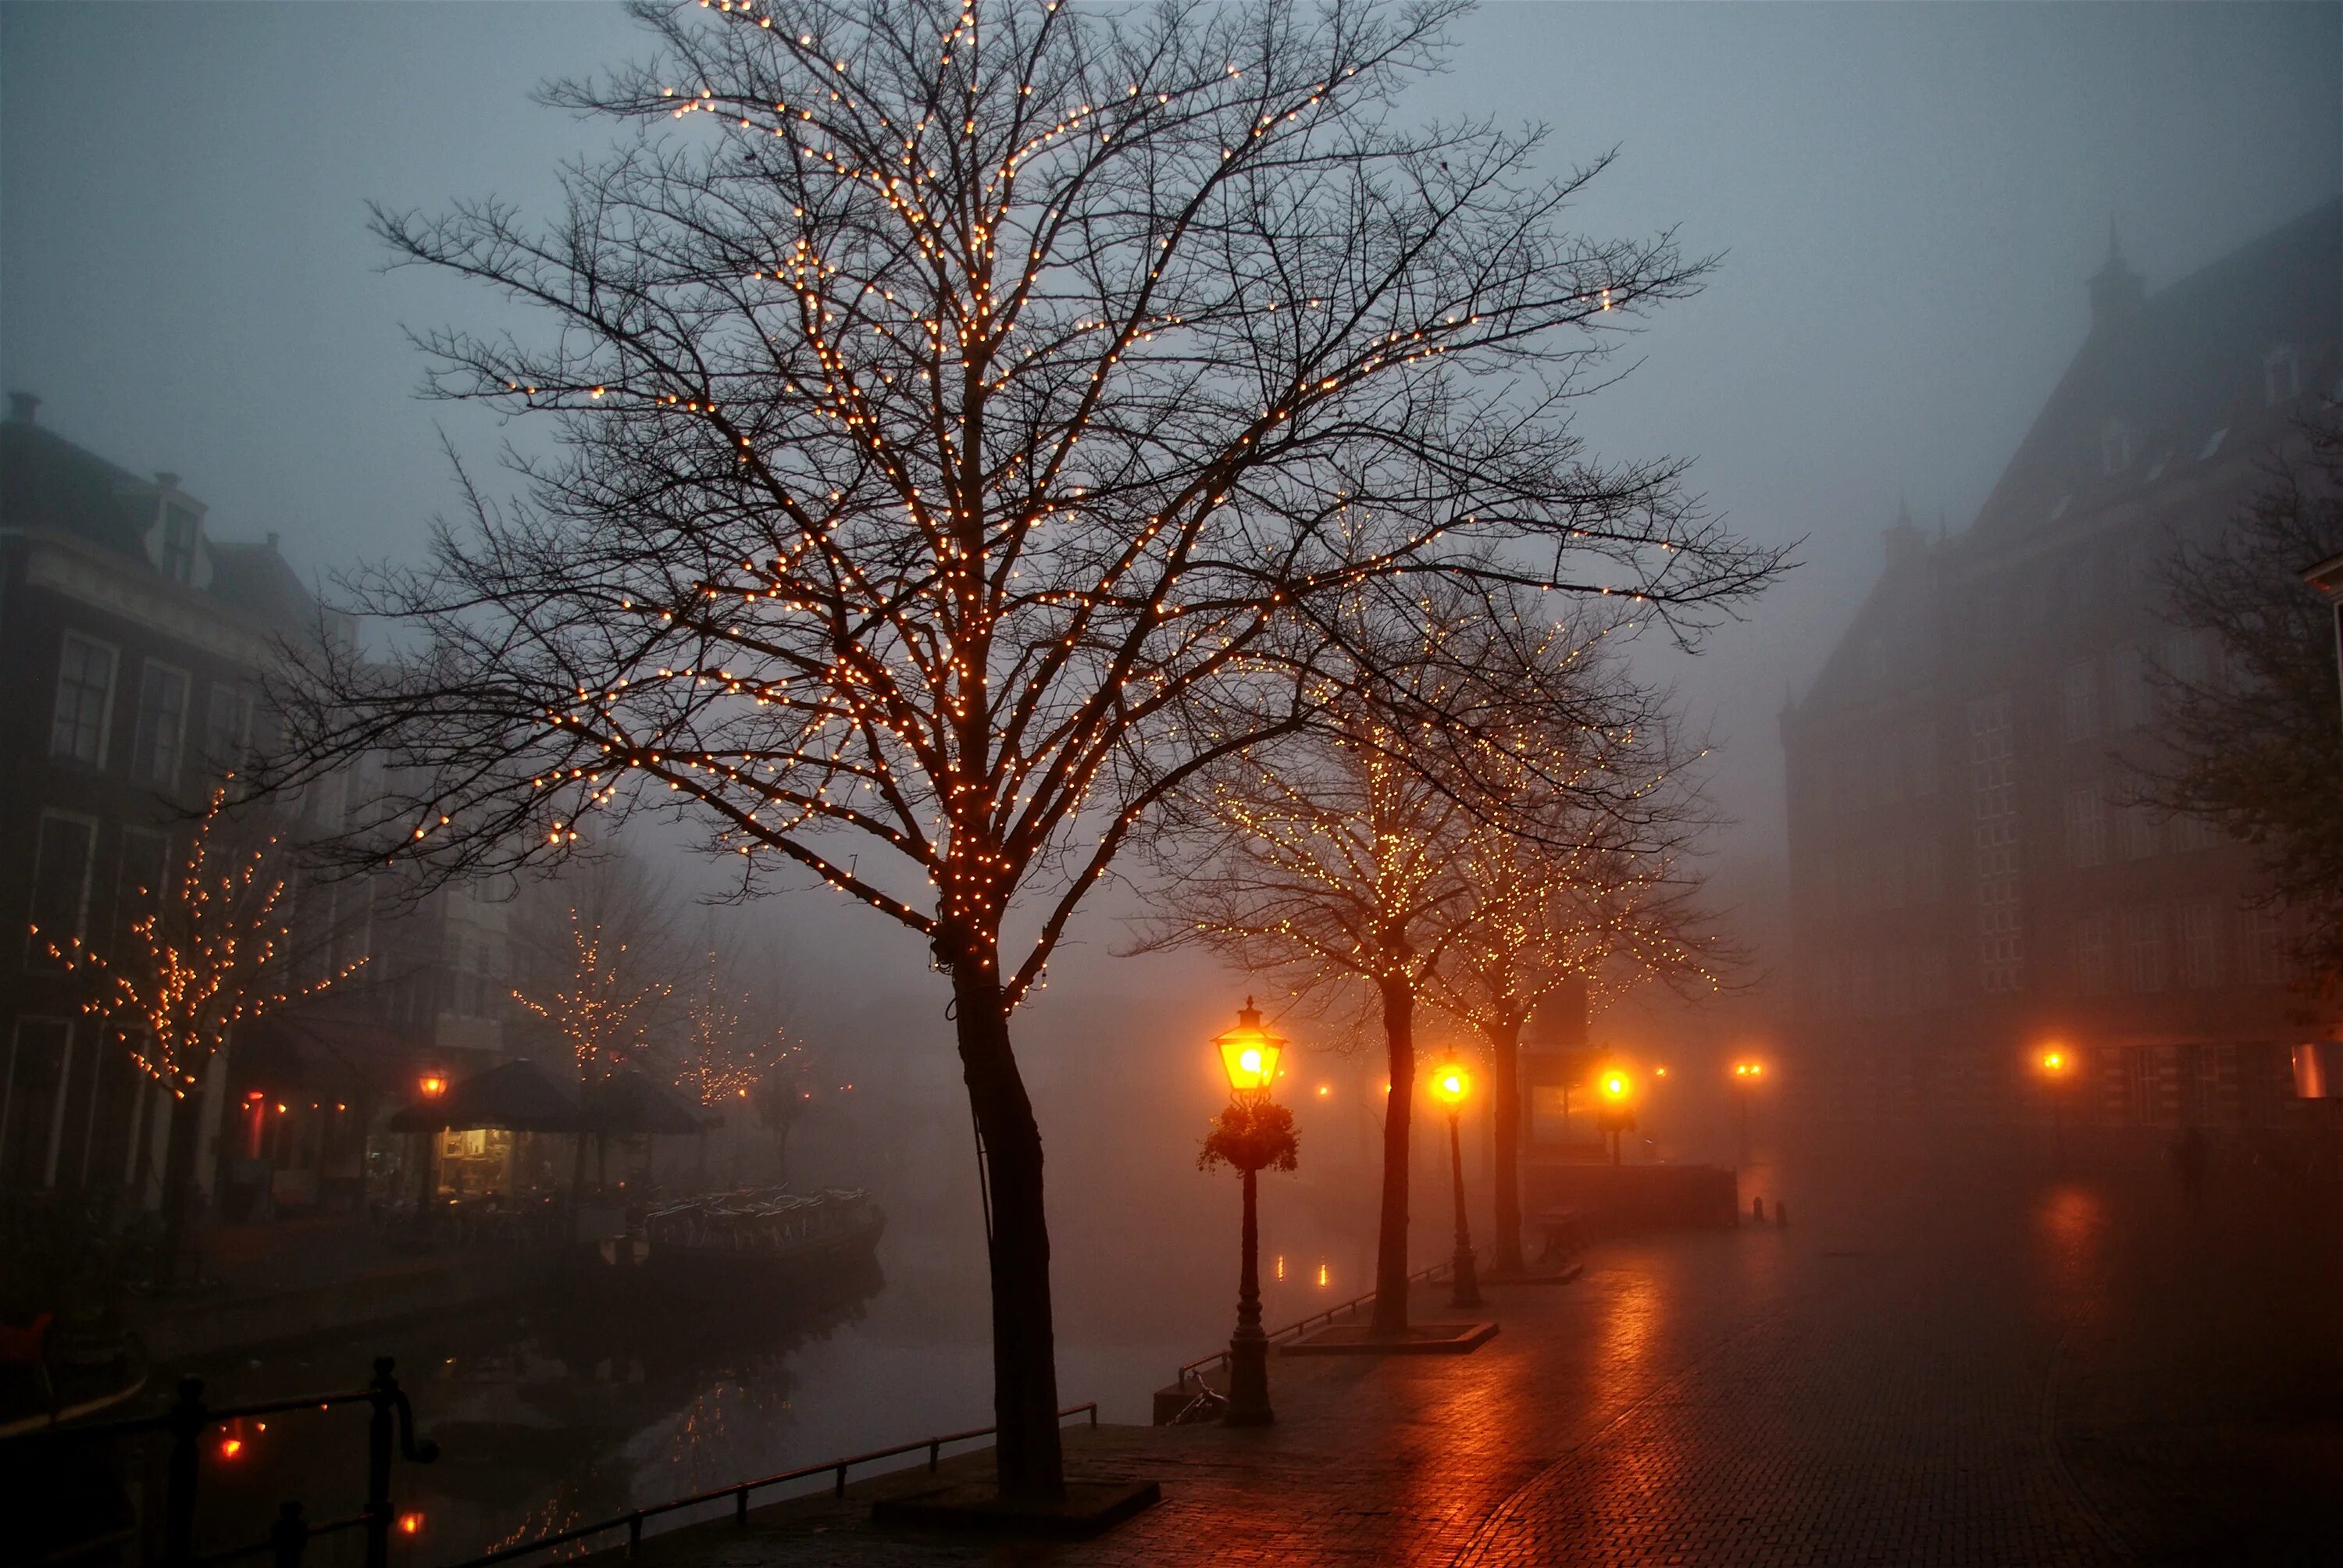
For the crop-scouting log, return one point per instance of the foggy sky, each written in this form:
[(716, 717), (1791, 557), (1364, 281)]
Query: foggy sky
[(1909, 200)]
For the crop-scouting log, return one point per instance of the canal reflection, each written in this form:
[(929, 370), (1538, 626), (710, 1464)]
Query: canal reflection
[(564, 1406)]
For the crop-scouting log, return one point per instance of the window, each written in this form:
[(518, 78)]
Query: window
[(2115, 448), (2094, 955), (2189, 658), (2079, 687), (2141, 833), (2263, 940), (2086, 826), (227, 727), (2213, 444), (2281, 375), (2200, 946), (60, 886), (162, 723), (2143, 955), (37, 1061), (84, 700), (180, 526), (2194, 833), (2130, 692)]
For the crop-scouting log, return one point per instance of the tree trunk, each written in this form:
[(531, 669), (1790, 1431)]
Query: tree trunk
[(1506, 1053), (1390, 1230), (1030, 1459), (178, 1185)]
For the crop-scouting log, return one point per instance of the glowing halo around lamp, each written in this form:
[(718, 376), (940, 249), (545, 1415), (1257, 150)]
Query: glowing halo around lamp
[(1250, 1053), (1451, 1084)]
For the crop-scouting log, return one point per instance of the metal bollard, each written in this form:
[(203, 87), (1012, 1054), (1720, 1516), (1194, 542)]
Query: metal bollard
[(380, 1392), (187, 1420), (289, 1536), (1757, 1209)]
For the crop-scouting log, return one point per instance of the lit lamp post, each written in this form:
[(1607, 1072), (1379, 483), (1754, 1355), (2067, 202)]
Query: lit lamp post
[(1615, 1113), (1746, 1075), (1449, 1086), (2058, 1066), (1253, 1133)]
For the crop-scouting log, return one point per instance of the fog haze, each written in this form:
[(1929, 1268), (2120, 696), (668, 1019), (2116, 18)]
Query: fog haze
[(1905, 200)]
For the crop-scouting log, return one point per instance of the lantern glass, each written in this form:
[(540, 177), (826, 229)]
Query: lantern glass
[(1249, 1052), (1451, 1084)]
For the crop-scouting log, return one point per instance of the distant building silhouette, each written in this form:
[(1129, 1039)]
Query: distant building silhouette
[(1969, 877)]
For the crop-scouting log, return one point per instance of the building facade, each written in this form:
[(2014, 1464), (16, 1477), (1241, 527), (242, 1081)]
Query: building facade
[(1971, 875), (139, 642)]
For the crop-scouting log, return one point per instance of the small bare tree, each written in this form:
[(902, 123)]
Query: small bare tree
[(1598, 901), (217, 948), (960, 411), (1343, 859), (2251, 743)]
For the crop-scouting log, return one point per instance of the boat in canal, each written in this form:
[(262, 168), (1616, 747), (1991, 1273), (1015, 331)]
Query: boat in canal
[(749, 1236)]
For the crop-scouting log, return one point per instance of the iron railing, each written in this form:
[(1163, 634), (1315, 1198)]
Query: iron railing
[(1196, 1369), (187, 1420), (631, 1521)]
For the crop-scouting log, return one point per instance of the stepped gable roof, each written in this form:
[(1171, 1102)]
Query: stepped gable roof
[(2177, 368), (48, 485)]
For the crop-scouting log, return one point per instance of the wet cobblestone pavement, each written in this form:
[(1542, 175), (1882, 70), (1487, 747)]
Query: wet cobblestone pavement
[(1921, 1369)]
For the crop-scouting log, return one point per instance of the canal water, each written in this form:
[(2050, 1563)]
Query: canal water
[(559, 1408)]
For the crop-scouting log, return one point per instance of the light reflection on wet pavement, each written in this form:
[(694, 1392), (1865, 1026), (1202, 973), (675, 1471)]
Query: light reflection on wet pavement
[(1965, 1358)]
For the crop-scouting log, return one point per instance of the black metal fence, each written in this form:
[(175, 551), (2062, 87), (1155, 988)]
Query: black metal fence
[(390, 1435)]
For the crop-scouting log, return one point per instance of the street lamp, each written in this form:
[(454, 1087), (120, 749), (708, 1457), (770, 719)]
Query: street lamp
[(1253, 1133), (1449, 1086), (2056, 1065), (1615, 1113), (1746, 1075)]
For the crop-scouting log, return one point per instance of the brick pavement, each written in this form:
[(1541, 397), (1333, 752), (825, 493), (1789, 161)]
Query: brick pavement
[(1921, 1370)]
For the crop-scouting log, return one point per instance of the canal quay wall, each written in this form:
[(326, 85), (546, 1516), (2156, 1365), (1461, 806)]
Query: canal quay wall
[(200, 1323)]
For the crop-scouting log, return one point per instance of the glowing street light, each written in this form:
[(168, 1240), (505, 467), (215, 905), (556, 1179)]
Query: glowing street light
[(1614, 1111), (2056, 1065), (1248, 1056), (1451, 1085), (1746, 1075)]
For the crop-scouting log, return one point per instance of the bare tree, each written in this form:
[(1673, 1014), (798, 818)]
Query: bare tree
[(216, 948), (959, 411), (1594, 902), (2251, 743), (1343, 859)]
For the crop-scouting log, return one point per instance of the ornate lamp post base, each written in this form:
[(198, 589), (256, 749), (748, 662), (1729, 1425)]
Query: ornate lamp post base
[(1467, 1290), (1249, 1347)]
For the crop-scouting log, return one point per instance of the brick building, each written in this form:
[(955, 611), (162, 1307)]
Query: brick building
[(139, 640), (1970, 876)]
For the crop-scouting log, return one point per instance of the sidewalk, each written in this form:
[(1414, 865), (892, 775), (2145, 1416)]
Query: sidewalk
[(2014, 1373)]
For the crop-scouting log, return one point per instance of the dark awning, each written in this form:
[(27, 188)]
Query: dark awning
[(627, 1102), (519, 1097)]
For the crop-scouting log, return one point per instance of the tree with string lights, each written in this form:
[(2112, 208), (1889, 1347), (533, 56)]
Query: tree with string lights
[(217, 948), (1565, 900), (1343, 860), (959, 414)]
